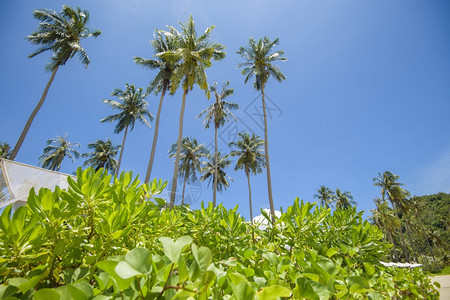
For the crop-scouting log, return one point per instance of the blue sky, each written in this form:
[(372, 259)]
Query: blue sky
[(367, 90)]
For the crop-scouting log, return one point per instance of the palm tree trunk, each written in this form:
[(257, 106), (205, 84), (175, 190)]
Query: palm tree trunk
[(215, 167), (405, 250), (393, 245), (177, 156), (31, 117), (266, 150), (411, 241), (184, 186), (121, 149), (249, 196), (155, 137)]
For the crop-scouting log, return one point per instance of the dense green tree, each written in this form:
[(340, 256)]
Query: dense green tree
[(218, 113), (102, 156), (55, 152), (343, 200), (259, 58), (60, 33), (209, 169), (325, 196), (162, 81), (250, 158), (190, 160), (132, 107), (5, 150), (387, 220), (194, 54)]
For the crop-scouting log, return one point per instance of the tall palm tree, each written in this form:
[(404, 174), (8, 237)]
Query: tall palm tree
[(60, 33), (190, 160), (391, 188), (55, 152), (162, 81), (388, 221), (209, 169), (218, 112), (194, 54), (102, 155), (259, 58), (325, 196), (132, 107), (344, 200), (5, 150), (250, 154)]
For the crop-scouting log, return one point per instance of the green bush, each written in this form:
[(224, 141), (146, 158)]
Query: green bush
[(106, 241)]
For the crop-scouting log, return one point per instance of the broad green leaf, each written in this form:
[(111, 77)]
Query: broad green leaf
[(109, 266), (331, 252), (46, 294), (369, 268), (173, 249), (273, 292), (139, 259), (203, 257)]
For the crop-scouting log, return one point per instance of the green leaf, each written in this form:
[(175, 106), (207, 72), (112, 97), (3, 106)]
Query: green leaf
[(139, 259), (109, 266), (331, 252), (273, 292), (202, 256), (173, 249), (369, 268), (46, 294)]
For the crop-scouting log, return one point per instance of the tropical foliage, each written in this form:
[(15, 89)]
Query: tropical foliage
[(325, 196), (132, 107), (250, 158), (190, 160), (102, 156), (218, 113), (61, 34), (215, 167), (127, 246), (193, 54), (162, 81), (259, 58), (5, 150), (55, 152)]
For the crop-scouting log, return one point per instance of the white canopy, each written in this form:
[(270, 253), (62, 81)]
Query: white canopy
[(16, 180)]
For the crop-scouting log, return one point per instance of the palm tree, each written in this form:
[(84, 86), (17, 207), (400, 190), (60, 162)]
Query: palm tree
[(209, 170), (387, 220), (133, 107), (55, 152), (325, 196), (259, 57), (391, 188), (102, 155), (190, 163), (218, 112), (251, 159), (194, 54), (5, 150), (344, 200), (60, 33), (161, 82)]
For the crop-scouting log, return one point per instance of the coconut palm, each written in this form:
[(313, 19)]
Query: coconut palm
[(343, 200), (387, 220), (194, 54), (190, 160), (325, 196), (5, 150), (132, 107), (250, 158), (161, 83), (61, 33), (55, 152), (259, 58), (102, 156), (218, 112), (209, 169)]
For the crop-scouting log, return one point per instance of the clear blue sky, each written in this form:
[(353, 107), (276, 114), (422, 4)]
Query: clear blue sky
[(367, 90)]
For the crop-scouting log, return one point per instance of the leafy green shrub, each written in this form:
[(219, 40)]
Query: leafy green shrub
[(106, 241)]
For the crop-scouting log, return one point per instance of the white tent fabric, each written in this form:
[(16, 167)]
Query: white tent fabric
[(400, 265), (262, 222), (16, 180)]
